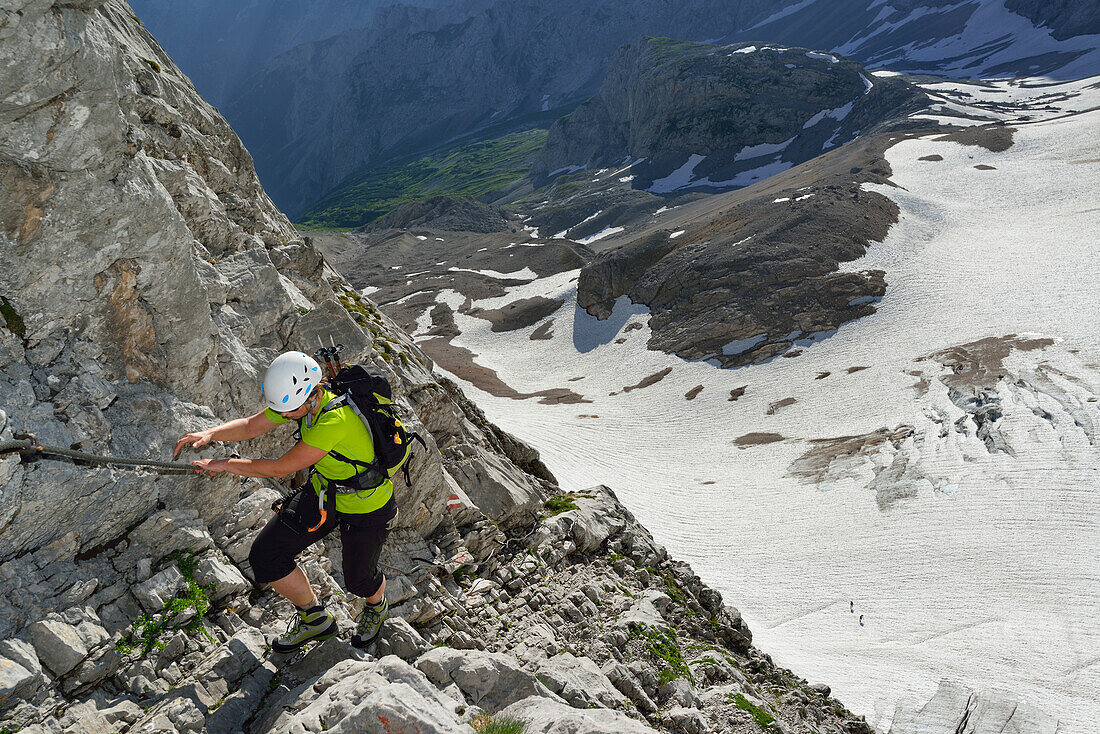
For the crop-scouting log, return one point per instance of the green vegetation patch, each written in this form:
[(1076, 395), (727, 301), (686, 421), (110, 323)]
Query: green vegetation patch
[(146, 630), (667, 49), (763, 718), (473, 170), (663, 646), (558, 504), (486, 724)]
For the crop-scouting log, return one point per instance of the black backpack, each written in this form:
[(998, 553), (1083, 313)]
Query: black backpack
[(371, 397)]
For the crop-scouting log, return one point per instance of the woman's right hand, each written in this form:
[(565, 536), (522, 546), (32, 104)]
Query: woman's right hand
[(198, 439)]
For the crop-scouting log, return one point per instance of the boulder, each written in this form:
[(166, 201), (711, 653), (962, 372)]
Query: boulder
[(546, 716), (501, 490), (358, 696), (226, 579), (687, 720), (14, 679), (580, 682), (598, 516), (403, 640), (646, 610), (60, 645), (680, 692), (623, 679), (155, 593), (489, 680)]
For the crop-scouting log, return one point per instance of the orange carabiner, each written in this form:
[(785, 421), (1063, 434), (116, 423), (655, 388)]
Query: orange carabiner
[(321, 508)]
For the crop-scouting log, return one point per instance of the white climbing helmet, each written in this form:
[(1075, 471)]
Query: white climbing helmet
[(289, 381)]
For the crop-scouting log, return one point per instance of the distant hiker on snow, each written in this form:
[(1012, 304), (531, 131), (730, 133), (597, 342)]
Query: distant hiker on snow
[(345, 490)]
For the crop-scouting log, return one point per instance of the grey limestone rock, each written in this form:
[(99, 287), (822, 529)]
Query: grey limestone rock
[(545, 716), (624, 680), (503, 492), (680, 692), (489, 680), (15, 680), (403, 640), (62, 645), (364, 696), (687, 720), (596, 518), (155, 593), (580, 682), (226, 580)]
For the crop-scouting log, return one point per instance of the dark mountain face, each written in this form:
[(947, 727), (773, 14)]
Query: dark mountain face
[(971, 39), (417, 78), (1064, 18), (324, 110), (221, 42)]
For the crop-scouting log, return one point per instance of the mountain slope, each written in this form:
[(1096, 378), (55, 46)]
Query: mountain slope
[(323, 111), (933, 462), (703, 116), (146, 283), (969, 39)]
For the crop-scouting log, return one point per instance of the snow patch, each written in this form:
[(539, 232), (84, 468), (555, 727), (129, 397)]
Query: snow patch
[(679, 178), (737, 346), (605, 232), (755, 151), (565, 169)]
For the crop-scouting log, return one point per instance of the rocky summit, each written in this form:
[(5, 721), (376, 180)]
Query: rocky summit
[(147, 281)]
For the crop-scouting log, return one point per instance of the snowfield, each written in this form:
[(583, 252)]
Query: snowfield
[(972, 559)]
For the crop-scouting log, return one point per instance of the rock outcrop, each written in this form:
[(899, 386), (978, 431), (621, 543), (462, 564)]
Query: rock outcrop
[(701, 116), (146, 281), (758, 275)]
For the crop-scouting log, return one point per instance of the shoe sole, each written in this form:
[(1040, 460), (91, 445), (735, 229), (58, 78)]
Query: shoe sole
[(325, 634)]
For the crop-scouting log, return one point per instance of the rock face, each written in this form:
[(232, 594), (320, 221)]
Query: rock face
[(1065, 19), (710, 117), (221, 44)]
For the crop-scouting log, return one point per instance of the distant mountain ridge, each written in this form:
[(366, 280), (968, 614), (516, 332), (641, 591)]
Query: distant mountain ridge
[(323, 111), (717, 117)]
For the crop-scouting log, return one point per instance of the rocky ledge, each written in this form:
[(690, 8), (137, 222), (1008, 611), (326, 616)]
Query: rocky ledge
[(576, 622)]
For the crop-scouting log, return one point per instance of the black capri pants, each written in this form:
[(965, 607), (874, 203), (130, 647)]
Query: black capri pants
[(275, 548)]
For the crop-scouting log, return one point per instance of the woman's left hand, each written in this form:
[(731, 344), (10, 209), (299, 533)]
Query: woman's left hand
[(211, 466)]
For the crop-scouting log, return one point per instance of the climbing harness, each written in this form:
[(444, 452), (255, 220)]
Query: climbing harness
[(30, 446)]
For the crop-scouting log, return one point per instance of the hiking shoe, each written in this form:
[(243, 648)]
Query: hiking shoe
[(369, 624), (316, 623)]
